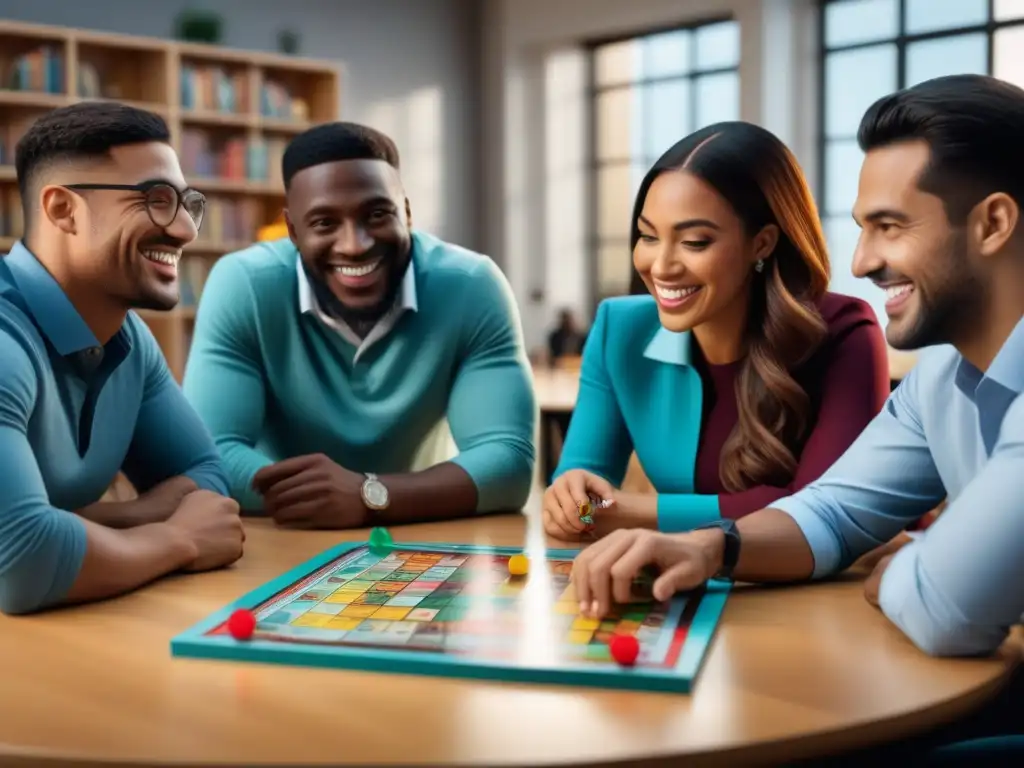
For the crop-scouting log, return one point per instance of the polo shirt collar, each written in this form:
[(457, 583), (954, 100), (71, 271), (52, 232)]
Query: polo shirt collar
[(50, 307), (670, 347)]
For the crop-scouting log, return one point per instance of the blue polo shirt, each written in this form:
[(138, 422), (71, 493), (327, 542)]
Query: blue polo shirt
[(74, 412)]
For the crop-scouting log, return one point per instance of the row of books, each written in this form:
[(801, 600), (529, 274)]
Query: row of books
[(40, 70), (214, 89), (192, 274), (277, 101), (236, 158), (230, 221), (12, 219)]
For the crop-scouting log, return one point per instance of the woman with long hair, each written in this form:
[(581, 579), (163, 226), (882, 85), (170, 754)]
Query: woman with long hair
[(736, 377)]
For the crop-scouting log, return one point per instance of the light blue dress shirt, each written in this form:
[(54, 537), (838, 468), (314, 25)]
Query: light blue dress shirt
[(948, 431)]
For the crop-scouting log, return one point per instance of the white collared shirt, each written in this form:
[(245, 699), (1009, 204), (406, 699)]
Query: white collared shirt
[(405, 301)]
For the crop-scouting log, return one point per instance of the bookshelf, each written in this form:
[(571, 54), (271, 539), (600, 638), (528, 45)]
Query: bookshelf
[(230, 112)]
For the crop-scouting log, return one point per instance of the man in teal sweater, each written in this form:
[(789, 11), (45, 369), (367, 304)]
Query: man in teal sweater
[(323, 362)]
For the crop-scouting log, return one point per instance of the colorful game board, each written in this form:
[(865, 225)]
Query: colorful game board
[(455, 610)]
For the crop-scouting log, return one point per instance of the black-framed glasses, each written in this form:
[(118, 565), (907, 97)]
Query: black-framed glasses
[(162, 200)]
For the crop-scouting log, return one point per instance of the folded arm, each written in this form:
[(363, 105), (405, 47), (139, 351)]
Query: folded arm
[(491, 414), (224, 380), (48, 555), (959, 589)]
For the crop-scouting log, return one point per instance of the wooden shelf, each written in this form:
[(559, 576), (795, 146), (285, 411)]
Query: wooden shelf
[(231, 113)]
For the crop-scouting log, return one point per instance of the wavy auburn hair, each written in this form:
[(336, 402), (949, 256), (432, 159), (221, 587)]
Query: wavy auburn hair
[(762, 181)]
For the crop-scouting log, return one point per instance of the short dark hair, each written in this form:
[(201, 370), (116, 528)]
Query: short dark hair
[(335, 142), (972, 125), (88, 130)]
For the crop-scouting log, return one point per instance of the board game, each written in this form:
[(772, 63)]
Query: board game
[(456, 610)]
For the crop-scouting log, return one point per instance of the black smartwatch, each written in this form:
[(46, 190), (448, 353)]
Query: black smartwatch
[(731, 551)]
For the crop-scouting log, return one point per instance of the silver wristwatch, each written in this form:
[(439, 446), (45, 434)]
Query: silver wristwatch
[(375, 493)]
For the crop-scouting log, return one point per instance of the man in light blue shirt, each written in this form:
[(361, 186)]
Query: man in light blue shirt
[(939, 207)]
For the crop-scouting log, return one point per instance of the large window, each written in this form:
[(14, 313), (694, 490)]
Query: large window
[(874, 47), (648, 93)]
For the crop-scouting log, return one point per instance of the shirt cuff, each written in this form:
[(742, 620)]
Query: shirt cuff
[(825, 547), (679, 512)]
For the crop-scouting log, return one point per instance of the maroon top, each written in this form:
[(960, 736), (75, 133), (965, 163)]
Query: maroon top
[(845, 394)]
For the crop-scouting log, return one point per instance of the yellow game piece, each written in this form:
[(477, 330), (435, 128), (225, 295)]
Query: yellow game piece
[(518, 565)]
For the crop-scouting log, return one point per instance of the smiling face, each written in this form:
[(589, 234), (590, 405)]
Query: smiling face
[(350, 221), (909, 249), (693, 252), (117, 247)]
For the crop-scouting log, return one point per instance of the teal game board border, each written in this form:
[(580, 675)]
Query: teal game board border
[(195, 643)]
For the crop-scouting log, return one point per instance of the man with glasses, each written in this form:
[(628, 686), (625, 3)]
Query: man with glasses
[(84, 388)]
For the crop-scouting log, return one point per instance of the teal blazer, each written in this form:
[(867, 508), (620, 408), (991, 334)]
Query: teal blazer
[(640, 391)]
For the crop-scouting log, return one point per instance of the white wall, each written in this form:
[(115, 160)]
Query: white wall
[(411, 71), (535, 122)]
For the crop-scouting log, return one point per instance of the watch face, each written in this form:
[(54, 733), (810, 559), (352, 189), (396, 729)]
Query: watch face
[(376, 493)]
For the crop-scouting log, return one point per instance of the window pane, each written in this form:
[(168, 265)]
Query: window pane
[(718, 98), (667, 54), (929, 15), (1008, 9), (617, 63), (616, 192), (1008, 55), (618, 136), (854, 80), (861, 21), (614, 269), (842, 174), (842, 234), (718, 45), (666, 116), (960, 54)]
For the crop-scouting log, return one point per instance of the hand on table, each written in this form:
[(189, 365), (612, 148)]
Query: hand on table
[(603, 573), (312, 492), (212, 524), (561, 513)]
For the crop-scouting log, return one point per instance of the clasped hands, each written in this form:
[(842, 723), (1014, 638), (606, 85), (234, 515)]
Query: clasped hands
[(312, 492)]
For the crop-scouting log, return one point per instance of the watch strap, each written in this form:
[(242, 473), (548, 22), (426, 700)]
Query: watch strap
[(731, 547)]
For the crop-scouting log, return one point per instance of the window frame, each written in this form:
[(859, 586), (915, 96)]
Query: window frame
[(902, 41), (594, 241)]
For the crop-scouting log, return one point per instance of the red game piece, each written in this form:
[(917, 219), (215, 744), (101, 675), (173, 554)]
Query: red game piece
[(625, 649), (242, 624)]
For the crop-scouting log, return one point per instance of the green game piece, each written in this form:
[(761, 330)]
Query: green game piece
[(380, 541)]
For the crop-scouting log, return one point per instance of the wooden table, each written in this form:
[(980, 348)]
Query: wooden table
[(793, 672)]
